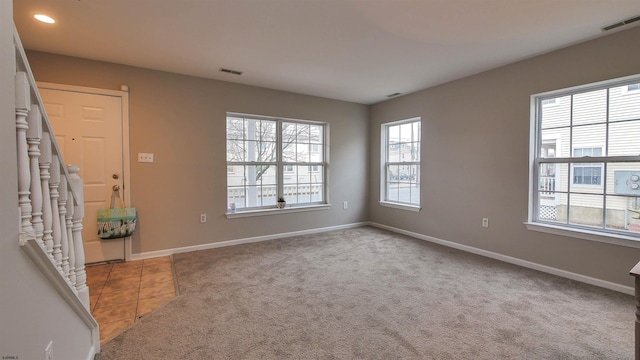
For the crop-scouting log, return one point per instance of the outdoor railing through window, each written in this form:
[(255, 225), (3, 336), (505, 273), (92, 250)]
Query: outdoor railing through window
[(587, 158), (269, 158)]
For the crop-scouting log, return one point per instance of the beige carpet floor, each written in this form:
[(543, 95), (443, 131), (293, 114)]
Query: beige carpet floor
[(365, 293)]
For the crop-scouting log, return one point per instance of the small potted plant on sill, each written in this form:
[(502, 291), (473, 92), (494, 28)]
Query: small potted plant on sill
[(281, 202)]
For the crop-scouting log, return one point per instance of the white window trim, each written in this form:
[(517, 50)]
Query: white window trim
[(276, 211), (400, 206), (383, 173), (573, 232), (585, 234), (259, 211)]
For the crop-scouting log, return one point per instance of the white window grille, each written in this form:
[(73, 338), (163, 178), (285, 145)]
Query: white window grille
[(262, 150), (579, 185), (401, 162)]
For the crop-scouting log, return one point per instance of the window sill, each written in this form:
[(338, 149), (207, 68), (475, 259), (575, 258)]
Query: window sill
[(400, 206), (616, 239), (276, 211)]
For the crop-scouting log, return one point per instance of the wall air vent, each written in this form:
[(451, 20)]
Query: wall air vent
[(234, 72), (621, 23)]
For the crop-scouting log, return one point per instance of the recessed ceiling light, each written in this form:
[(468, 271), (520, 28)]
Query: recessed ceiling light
[(44, 18)]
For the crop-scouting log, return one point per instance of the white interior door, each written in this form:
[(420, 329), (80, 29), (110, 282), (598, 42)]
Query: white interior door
[(88, 128)]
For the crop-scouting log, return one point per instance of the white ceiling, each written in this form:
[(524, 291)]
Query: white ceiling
[(352, 50)]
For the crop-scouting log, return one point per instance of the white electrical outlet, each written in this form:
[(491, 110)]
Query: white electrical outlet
[(48, 352), (485, 222), (145, 157), (203, 218), (345, 205)]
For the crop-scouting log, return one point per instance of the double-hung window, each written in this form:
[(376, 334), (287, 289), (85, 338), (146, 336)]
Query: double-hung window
[(586, 159), (270, 157), (400, 183)]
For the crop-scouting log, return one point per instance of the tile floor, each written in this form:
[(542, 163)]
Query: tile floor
[(121, 293)]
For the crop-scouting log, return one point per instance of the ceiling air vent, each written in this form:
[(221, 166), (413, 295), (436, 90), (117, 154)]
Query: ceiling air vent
[(621, 23), (234, 72), (394, 95)]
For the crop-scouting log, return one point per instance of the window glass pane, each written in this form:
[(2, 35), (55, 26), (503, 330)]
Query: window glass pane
[(393, 191), (415, 194), (268, 131), (590, 107), (252, 129), (236, 196), (586, 210), (288, 132), (316, 153), (235, 150), (393, 172), (624, 138), (553, 177), (393, 134), (289, 152), (235, 128), (623, 178), (316, 134), (414, 173), (302, 152), (269, 195), (549, 149), (317, 193), (621, 213), (624, 105), (589, 136), (290, 175), (317, 176), (558, 115), (394, 152), (587, 174), (406, 133), (303, 133), (552, 207), (417, 135)]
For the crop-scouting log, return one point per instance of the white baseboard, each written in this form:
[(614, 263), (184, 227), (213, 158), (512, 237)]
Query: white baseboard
[(512, 260), (167, 252)]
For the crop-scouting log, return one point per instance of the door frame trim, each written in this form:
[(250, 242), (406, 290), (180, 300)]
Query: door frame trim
[(123, 94)]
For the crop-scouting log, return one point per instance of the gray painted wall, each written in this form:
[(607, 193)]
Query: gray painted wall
[(31, 311), (181, 119), (475, 157)]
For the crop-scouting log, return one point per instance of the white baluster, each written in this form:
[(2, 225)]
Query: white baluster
[(47, 217), (78, 214), (23, 105), (54, 183), (72, 255), (64, 241), (34, 134)]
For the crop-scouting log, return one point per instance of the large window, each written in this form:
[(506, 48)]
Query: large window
[(268, 158), (586, 158), (401, 163)]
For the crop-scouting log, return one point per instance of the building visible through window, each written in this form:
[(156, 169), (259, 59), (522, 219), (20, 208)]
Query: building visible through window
[(586, 157)]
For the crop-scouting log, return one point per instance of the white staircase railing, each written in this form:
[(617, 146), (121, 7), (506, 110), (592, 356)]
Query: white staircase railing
[(50, 195)]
